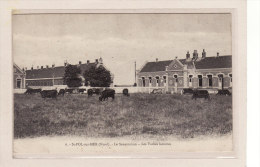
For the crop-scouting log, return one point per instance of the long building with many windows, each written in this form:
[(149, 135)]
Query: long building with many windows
[(192, 72), (51, 76)]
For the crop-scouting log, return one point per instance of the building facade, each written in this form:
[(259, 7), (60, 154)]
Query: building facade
[(192, 72), (51, 76), (19, 77)]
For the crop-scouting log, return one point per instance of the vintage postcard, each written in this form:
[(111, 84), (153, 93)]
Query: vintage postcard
[(118, 84)]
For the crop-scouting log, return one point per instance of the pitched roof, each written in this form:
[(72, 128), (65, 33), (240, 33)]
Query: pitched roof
[(205, 63), (214, 62), (53, 72), (18, 68), (155, 66)]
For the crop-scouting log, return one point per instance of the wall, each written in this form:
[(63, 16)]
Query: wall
[(22, 77)]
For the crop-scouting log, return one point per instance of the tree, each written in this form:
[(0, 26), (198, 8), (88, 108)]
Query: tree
[(97, 77), (72, 76)]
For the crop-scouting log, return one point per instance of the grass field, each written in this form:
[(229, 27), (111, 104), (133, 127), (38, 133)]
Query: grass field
[(139, 114)]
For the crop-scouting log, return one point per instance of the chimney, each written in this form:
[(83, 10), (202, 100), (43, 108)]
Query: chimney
[(87, 61), (217, 54), (32, 68), (156, 59), (79, 62), (203, 54), (41, 67), (195, 54), (166, 68), (187, 55), (65, 63), (47, 66), (53, 65), (23, 69), (96, 61), (100, 60)]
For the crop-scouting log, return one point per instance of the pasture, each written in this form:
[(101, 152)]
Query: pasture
[(137, 115)]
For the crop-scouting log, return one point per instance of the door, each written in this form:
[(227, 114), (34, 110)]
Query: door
[(18, 83)]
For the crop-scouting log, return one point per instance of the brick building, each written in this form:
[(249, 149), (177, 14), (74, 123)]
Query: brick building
[(19, 77), (50, 76), (193, 72)]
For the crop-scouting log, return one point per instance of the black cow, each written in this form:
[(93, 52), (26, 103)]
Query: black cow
[(106, 94), (69, 90), (32, 91), (97, 91), (157, 91), (224, 92), (49, 93), (62, 92), (200, 94), (187, 91), (90, 92), (125, 92), (82, 90)]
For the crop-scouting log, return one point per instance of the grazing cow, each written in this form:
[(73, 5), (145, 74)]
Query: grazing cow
[(187, 91), (62, 92), (106, 94), (69, 90), (157, 91), (200, 94), (90, 92), (49, 93), (97, 91), (224, 92), (82, 90), (32, 91), (125, 92)]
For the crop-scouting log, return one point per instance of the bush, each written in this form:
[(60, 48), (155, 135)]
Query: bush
[(97, 77), (72, 76)]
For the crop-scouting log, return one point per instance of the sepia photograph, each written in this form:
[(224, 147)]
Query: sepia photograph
[(118, 83)]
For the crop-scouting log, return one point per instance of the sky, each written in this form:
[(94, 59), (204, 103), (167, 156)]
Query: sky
[(120, 39)]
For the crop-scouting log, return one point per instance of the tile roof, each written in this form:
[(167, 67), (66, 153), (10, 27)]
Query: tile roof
[(50, 72), (155, 66), (205, 63), (214, 62)]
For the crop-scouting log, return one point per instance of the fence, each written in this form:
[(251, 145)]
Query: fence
[(117, 89)]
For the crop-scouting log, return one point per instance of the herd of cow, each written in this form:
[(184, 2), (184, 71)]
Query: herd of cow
[(197, 93), (104, 93), (107, 92)]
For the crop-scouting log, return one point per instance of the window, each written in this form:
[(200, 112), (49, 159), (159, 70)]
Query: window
[(164, 80), (190, 78), (143, 81), (230, 75), (150, 81), (157, 81), (220, 77), (200, 80), (175, 77), (221, 81), (210, 80)]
